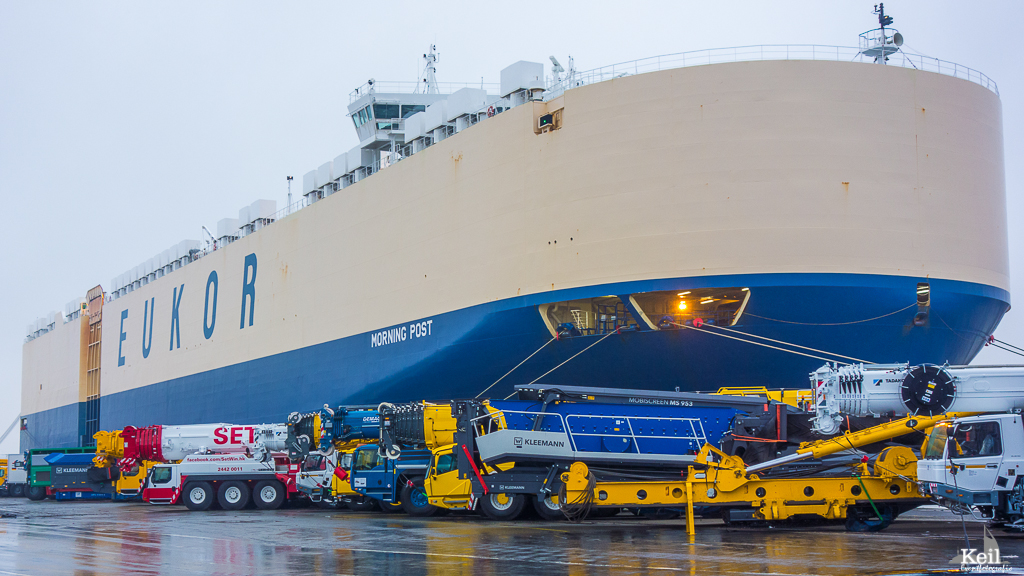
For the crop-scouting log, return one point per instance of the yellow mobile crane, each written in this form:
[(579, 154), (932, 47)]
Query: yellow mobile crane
[(869, 497), (110, 449)]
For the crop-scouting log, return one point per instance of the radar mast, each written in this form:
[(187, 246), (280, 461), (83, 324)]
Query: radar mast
[(429, 79)]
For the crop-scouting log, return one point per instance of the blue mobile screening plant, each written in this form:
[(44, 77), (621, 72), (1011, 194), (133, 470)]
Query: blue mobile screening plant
[(513, 451)]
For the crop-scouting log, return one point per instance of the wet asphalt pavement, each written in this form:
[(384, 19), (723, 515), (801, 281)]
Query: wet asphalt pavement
[(99, 538)]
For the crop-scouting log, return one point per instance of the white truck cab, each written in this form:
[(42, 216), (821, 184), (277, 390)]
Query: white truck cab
[(976, 463), (15, 476)]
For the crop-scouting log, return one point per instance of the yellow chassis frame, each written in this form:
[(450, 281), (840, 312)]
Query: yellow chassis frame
[(725, 483)]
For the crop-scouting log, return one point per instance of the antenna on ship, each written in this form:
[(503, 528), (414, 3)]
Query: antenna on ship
[(556, 70), (429, 78), (876, 43), (289, 195)]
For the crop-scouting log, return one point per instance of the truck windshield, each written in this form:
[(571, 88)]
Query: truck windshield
[(445, 463), (314, 463), (977, 439), (366, 459), (935, 446), (161, 475)]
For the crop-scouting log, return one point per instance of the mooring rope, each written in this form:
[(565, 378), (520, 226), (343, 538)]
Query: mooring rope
[(994, 339), (759, 344), (616, 331), (790, 344), (831, 323), (514, 369)]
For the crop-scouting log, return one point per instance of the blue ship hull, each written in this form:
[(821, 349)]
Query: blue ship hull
[(860, 316)]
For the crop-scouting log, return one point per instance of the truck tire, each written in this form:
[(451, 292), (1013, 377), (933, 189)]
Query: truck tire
[(390, 507), (503, 506), (363, 504), (547, 508), (233, 495), (198, 496), (268, 495), (866, 520), (18, 491), (415, 501), (36, 493), (604, 512)]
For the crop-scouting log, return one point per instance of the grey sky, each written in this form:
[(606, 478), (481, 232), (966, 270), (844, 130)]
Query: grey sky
[(126, 126)]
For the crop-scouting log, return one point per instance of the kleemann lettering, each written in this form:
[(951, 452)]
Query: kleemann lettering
[(552, 443), (152, 307), (401, 333)]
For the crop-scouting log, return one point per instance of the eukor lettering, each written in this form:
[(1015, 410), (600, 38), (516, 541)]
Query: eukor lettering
[(209, 312), (401, 333)]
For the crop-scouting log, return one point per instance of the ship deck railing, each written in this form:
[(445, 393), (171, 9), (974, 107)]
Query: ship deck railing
[(415, 87), (763, 52)]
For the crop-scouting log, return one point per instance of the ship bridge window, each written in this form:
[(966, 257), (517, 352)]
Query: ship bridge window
[(385, 111), (362, 117), (410, 109)]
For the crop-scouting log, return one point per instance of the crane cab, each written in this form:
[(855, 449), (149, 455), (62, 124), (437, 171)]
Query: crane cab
[(161, 486), (975, 462)]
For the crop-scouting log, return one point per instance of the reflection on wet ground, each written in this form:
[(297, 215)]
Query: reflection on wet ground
[(86, 539)]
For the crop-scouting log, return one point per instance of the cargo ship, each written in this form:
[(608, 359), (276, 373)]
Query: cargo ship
[(730, 217)]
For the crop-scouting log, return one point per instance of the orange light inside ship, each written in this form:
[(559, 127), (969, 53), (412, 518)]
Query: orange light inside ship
[(682, 305)]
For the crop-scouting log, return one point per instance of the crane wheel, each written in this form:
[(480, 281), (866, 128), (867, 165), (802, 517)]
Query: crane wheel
[(233, 495), (415, 500), (18, 491), (390, 507), (547, 508), (865, 520), (363, 504), (502, 506), (268, 495), (36, 493), (198, 496)]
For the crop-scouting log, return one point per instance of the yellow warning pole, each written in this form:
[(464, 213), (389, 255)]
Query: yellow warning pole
[(690, 529)]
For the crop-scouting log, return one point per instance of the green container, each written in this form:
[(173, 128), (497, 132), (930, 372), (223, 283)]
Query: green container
[(39, 469)]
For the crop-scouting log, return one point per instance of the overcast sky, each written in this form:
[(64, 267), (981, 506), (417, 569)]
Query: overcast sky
[(125, 126)]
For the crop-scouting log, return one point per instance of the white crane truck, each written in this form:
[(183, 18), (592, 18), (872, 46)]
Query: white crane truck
[(968, 464), (218, 462)]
